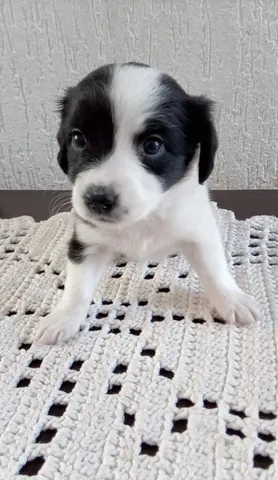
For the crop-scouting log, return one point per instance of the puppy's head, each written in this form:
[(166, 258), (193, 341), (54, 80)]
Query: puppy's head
[(128, 134)]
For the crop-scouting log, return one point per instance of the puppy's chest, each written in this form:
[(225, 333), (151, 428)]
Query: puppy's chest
[(136, 243), (141, 246)]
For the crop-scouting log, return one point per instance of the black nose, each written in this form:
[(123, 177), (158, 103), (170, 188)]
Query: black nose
[(101, 200)]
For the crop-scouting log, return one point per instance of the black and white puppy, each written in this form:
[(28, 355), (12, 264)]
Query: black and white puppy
[(138, 150)]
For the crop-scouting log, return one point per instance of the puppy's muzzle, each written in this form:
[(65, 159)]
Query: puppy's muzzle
[(101, 200)]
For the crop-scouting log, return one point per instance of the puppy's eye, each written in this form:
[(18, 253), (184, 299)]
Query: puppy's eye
[(78, 140), (152, 145)]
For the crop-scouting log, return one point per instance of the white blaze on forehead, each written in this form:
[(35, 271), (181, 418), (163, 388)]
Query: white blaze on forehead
[(135, 91)]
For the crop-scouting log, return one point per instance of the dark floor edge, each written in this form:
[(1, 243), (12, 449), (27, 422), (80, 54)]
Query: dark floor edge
[(41, 204)]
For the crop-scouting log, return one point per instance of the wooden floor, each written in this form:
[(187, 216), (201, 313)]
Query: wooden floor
[(41, 204)]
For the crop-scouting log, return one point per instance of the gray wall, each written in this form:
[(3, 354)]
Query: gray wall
[(227, 49)]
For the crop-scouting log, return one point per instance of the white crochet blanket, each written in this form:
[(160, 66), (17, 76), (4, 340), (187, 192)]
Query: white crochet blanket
[(154, 387)]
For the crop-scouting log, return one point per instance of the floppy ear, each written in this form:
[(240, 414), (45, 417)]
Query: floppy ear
[(62, 154), (63, 107), (202, 132)]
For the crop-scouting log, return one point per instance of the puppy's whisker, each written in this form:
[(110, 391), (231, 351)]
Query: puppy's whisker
[(57, 197), (63, 208), (55, 202), (60, 206)]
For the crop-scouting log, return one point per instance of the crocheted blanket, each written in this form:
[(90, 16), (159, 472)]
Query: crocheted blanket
[(155, 386)]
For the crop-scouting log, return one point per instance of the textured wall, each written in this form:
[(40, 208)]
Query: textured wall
[(227, 49)]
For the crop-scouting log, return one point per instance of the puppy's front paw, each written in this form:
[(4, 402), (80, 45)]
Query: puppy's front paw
[(236, 307), (58, 327)]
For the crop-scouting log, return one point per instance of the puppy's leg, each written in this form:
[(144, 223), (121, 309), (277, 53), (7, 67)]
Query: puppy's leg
[(70, 313), (206, 254)]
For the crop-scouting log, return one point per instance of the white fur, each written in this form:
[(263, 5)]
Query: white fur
[(70, 314), (151, 223)]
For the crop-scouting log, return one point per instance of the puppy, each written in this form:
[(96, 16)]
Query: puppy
[(138, 151)]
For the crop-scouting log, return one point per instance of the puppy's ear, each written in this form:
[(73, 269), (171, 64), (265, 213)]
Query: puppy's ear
[(201, 131), (63, 108), (62, 156)]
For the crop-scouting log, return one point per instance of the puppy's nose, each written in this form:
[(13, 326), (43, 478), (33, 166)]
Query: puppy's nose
[(101, 200)]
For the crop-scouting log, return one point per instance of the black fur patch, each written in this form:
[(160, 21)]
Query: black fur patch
[(201, 132), (76, 249), (169, 165), (137, 64), (87, 108), (184, 123)]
